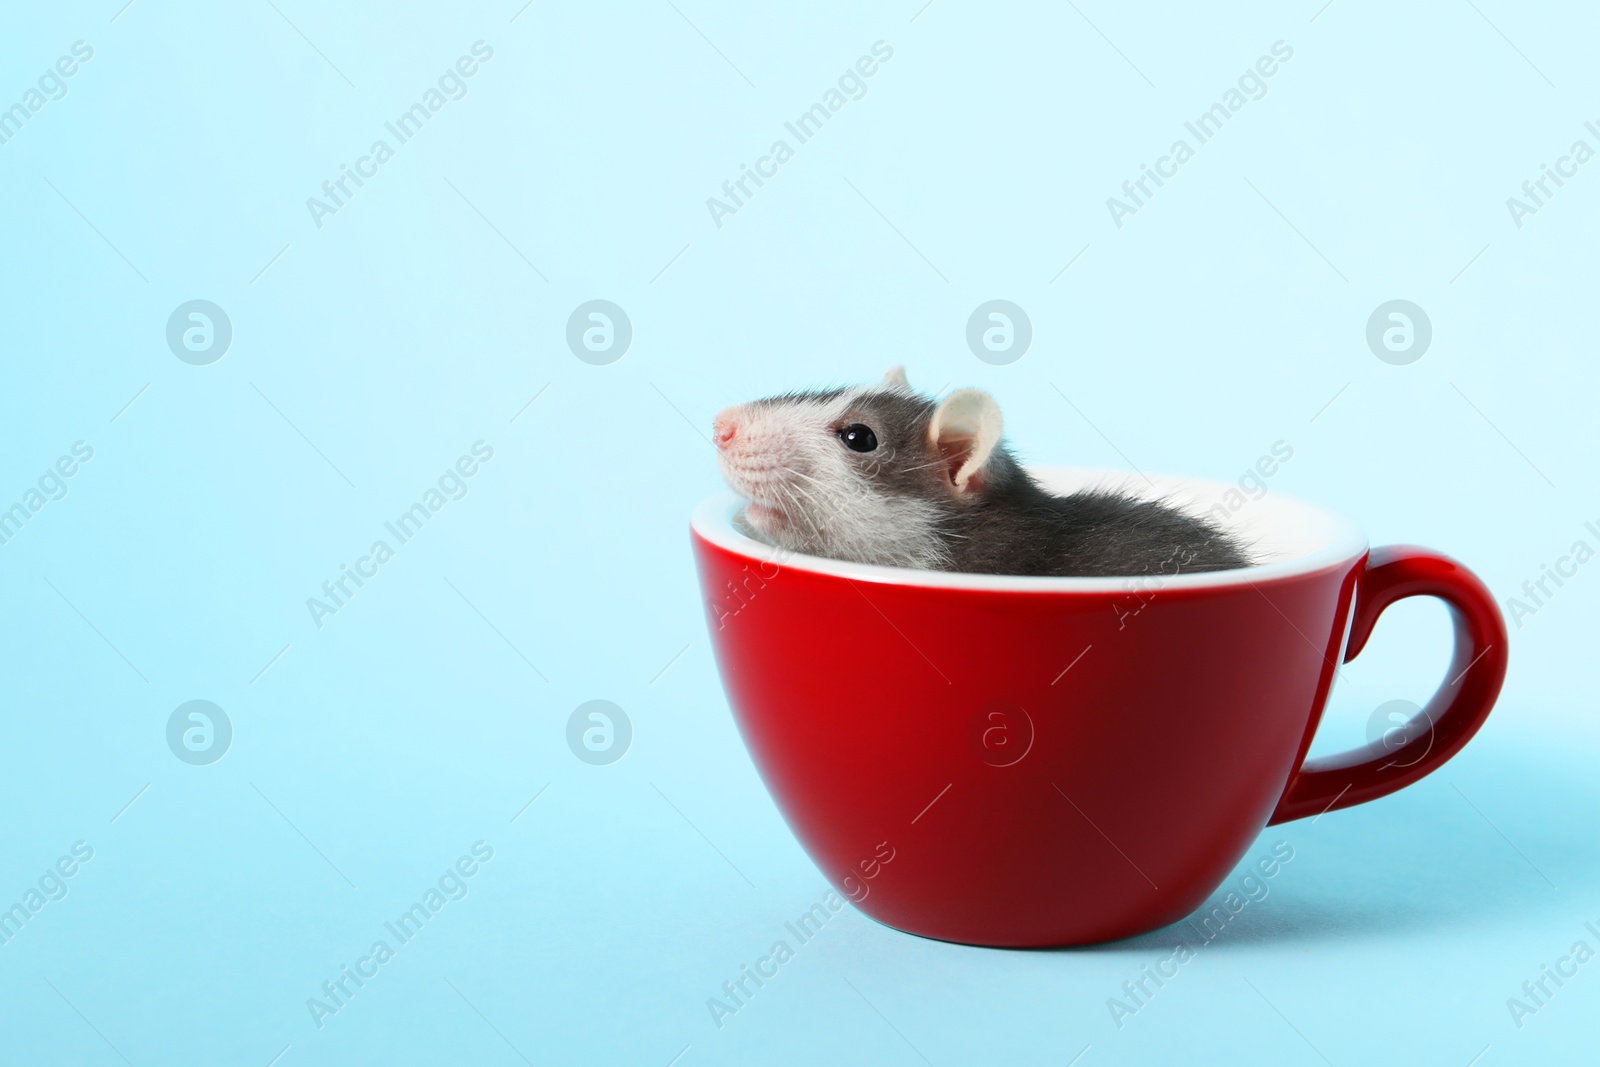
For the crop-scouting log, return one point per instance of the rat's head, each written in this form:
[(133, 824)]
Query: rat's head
[(868, 474)]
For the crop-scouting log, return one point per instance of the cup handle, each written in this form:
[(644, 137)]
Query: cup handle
[(1454, 712)]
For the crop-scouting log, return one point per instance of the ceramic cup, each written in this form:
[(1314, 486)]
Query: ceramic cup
[(1057, 761)]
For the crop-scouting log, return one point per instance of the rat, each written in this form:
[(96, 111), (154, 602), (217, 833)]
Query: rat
[(884, 475)]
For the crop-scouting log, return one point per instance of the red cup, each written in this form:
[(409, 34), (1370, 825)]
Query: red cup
[(1016, 761)]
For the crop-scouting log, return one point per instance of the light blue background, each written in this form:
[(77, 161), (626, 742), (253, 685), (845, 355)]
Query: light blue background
[(1228, 314)]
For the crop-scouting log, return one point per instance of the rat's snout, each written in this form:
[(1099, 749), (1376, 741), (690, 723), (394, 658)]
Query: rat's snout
[(725, 427)]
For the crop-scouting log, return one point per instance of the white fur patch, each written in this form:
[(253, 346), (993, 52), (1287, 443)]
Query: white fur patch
[(787, 458)]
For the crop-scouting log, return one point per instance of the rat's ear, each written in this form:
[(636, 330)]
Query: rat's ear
[(965, 428), (896, 379)]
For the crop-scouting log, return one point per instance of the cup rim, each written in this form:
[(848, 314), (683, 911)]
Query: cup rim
[(1340, 540)]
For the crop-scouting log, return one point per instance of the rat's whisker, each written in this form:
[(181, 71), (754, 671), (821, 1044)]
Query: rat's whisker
[(795, 509), (866, 474)]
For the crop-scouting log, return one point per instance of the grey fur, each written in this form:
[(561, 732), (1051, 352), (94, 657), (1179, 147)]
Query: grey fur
[(1009, 524)]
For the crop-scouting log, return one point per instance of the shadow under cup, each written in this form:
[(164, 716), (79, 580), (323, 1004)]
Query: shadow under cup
[(1017, 761)]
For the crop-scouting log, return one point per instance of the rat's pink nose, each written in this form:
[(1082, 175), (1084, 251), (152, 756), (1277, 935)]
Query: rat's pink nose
[(723, 429)]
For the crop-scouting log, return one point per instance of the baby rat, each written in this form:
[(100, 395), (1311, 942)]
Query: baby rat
[(883, 475)]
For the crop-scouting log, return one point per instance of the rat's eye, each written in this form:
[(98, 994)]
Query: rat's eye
[(858, 438)]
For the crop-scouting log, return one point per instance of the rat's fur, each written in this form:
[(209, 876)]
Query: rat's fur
[(939, 494)]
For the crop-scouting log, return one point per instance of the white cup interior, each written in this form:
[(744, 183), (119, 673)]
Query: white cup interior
[(1287, 536)]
